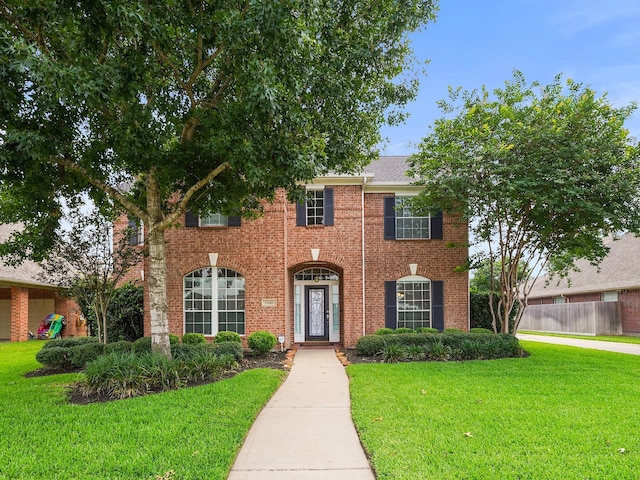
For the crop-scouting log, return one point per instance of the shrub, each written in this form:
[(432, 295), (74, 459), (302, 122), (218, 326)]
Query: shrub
[(416, 352), (427, 330), (80, 355), (173, 339), (392, 353), (404, 330), (54, 357), (370, 345), (225, 336), (142, 344), (262, 341), (121, 346), (452, 330), (481, 331), (193, 339), (232, 348), (125, 315), (383, 331), (439, 351), (69, 342)]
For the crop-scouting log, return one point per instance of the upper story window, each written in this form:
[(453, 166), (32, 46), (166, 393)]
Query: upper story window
[(317, 210), (400, 223), (610, 296), (214, 220), (136, 232), (211, 220), (409, 225)]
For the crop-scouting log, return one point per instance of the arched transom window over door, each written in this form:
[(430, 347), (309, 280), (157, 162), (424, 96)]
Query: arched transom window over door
[(214, 301)]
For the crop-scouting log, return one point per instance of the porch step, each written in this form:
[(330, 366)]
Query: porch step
[(317, 344)]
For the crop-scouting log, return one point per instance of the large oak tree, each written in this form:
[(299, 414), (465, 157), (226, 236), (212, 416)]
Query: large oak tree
[(159, 107), (543, 173)]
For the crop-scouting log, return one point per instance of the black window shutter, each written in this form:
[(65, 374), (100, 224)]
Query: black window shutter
[(301, 214), (436, 226), (437, 305), (389, 218), (328, 207), (234, 221), (390, 306), (133, 231), (190, 220)]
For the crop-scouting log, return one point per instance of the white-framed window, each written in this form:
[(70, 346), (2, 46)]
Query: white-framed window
[(413, 301), (214, 300), (136, 232), (560, 299), (408, 225), (214, 220), (611, 296), (315, 207)]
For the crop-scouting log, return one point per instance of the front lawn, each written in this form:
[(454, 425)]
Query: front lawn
[(563, 413), (193, 433), (604, 338)]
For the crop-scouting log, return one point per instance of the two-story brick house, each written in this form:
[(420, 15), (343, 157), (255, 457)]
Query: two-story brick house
[(344, 264)]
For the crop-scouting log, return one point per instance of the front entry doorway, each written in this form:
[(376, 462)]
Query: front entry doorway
[(317, 314), (316, 305)]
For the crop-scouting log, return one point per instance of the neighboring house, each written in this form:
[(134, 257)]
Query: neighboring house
[(26, 299), (348, 262), (616, 279)]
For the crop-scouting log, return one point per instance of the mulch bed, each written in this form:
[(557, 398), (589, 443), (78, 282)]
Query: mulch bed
[(75, 394)]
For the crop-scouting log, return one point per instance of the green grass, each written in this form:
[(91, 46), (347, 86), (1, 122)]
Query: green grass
[(604, 338), (562, 413), (194, 432)]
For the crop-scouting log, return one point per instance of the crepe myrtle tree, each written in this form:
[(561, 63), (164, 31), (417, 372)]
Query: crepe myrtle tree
[(542, 173), (164, 107), (90, 261)]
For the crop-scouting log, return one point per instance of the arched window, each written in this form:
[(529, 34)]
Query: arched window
[(413, 297), (214, 301)]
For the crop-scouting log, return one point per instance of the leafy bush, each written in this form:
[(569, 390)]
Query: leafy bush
[(427, 330), (370, 345), (452, 330), (404, 330), (193, 339), (125, 315), (480, 312), (392, 353), (121, 346), (232, 348), (80, 355), (173, 339), (481, 331), (262, 341), (383, 331), (68, 342), (225, 336), (142, 344), (124, 375), (450, 345), (54, 357)]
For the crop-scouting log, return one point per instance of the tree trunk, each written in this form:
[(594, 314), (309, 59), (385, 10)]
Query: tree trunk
[(157, 281)]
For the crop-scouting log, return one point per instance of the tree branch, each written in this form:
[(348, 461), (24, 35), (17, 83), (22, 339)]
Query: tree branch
[(102, 186), (181, 206)]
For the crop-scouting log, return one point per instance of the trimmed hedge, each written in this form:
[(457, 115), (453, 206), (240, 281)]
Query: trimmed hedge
[(193, 339), (452, 345), (261, 341), (68, 342), (122, 346), (225, 336)]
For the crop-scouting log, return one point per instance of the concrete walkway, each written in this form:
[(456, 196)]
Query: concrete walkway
[(305, 432), (631, 348)]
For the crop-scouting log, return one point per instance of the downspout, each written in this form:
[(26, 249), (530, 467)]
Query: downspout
[(364, 297), (287, 292)]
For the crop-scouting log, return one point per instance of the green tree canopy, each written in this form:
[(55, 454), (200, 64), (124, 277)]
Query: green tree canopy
[(542, 172), (159, 107)]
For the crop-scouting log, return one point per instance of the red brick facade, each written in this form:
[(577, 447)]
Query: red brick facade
[(269, 251)]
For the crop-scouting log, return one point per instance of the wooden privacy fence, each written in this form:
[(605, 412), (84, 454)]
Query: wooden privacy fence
[(586, 318)]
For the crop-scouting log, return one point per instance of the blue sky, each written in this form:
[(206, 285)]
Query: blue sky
[(475, 43)]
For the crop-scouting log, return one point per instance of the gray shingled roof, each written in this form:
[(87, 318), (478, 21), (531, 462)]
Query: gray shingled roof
[(389, 169), (27, 274), (619, 270)]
